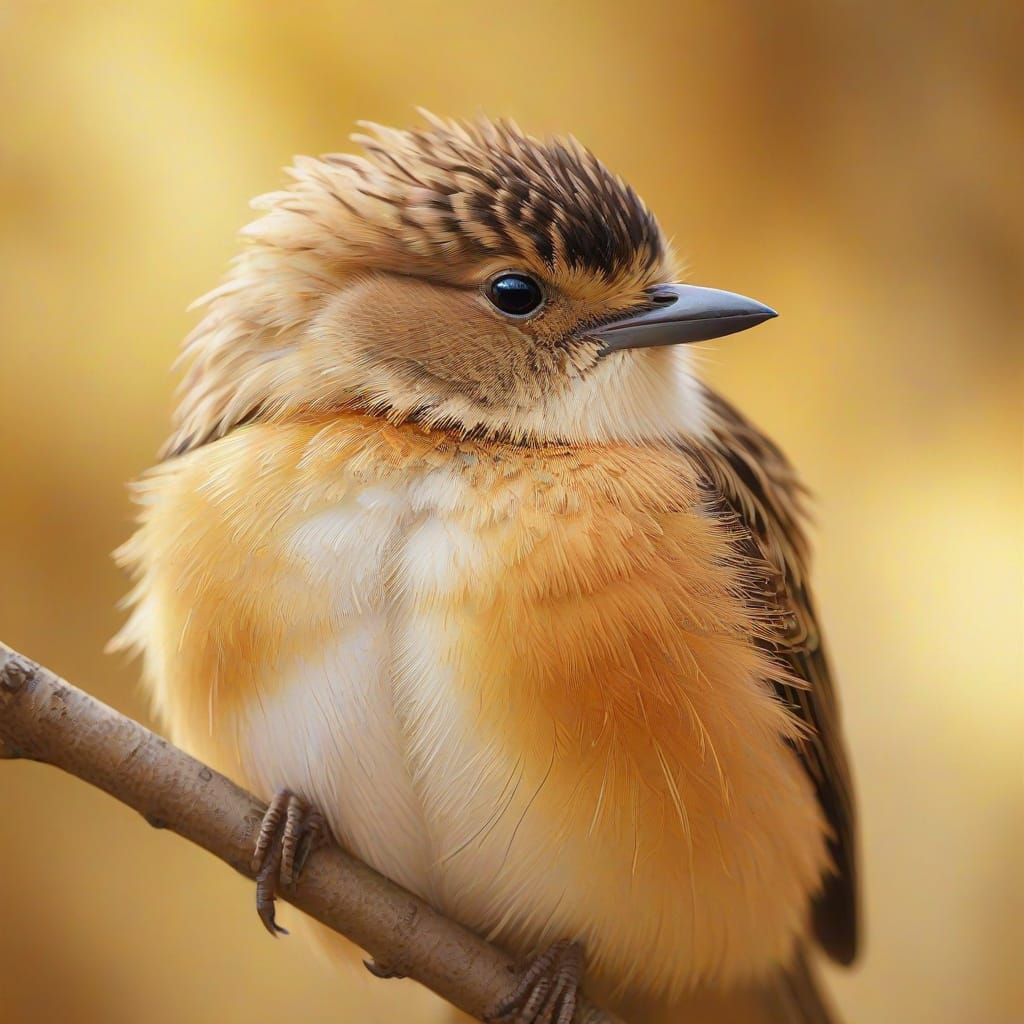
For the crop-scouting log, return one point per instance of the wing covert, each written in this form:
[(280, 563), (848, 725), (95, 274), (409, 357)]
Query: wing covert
[(754, 484)]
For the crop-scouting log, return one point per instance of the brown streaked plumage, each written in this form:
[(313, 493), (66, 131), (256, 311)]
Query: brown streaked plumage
[(758, 486), (523, 612)]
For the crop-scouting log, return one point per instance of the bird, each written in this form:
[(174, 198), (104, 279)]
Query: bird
[(453, 555)]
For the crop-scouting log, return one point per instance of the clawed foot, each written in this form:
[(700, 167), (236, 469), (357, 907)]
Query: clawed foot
[(288, 833), (547, 990)]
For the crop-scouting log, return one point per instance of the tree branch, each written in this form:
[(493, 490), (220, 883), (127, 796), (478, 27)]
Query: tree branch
[(43, 718)]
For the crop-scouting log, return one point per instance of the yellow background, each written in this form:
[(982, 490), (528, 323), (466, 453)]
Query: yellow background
[(855, 165)]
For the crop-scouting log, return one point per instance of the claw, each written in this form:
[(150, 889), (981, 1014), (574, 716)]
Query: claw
[(288, 833), (266, 887), (381, 970), (547, 990)]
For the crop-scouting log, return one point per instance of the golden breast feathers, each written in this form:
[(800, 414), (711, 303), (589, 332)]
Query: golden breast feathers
[(562, 633)]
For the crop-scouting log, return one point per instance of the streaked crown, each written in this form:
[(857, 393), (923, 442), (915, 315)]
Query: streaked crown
[(455, 193)]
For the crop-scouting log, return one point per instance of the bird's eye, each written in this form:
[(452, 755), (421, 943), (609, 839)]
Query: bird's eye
[(515, 294)]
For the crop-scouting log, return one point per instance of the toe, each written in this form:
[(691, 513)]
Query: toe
[(546, 992), (295, 815), (287, 834), (269, 828)]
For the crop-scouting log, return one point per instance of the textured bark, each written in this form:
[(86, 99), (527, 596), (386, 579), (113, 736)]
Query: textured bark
[(43, 718)]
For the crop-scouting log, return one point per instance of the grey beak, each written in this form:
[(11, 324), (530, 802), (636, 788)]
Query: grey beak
[(681, 313)]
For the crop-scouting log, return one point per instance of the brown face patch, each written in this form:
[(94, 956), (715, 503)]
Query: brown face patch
[(442, 341), (411, 325)]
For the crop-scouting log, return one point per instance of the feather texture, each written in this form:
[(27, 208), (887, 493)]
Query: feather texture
[(761, 493), (522, 681), (529, 622)]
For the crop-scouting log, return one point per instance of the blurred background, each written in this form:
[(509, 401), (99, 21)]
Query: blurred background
[(855, 165)]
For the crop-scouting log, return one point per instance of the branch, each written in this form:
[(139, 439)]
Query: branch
[(43, 718)]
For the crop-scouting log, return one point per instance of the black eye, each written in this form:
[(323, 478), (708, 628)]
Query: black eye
[(515, 294)]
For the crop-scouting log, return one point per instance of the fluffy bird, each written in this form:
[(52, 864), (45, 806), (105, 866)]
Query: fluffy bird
[(451, 552)]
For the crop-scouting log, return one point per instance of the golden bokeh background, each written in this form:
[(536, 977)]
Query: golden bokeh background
[(857, 166)]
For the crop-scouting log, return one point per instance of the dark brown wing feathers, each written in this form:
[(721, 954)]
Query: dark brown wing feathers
[(752, 482)]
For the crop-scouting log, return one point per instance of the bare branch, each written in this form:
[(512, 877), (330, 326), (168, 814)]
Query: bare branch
[(43, 718)]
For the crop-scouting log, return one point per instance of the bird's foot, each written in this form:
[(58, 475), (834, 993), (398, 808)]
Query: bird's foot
[(547, 988), (289, 830)]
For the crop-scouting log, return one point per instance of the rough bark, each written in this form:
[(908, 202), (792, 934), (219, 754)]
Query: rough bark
[(45, 719)]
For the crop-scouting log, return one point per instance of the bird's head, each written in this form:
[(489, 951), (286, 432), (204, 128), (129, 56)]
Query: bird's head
[(465, 276)]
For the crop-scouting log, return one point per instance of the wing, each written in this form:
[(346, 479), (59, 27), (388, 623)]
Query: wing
[(753, 483)]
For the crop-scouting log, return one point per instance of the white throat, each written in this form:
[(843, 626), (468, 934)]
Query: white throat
[(632, 397)]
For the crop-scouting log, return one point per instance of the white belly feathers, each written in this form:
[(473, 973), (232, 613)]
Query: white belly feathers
[(331, 731), (336, 729)]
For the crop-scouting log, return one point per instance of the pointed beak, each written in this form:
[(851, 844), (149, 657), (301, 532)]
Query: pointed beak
[(681, 313)]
